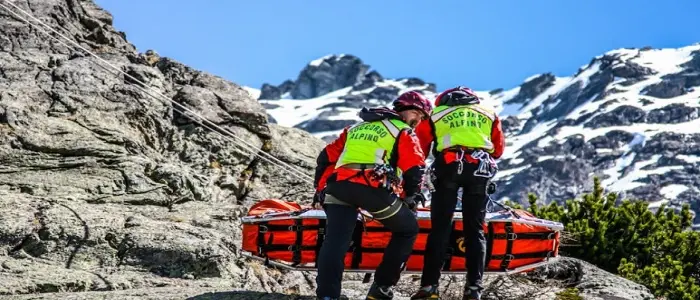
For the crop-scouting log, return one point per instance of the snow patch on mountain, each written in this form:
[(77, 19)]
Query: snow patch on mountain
[(290, 112), (255, 93)]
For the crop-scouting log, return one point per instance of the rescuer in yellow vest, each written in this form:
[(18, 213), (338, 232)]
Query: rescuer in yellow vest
[(466, 137), (360, 169)]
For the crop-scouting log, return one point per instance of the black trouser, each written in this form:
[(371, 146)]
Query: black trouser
[(339, 228), (442, 206)]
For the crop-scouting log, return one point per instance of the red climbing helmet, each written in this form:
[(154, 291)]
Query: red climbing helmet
[(413, 99), (458, 94)]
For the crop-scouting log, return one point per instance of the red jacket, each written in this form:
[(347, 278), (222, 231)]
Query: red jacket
[(424, 132), (426, 135), (410, 159)]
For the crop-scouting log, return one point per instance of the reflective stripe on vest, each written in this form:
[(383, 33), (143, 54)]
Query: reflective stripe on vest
[(464, 125), (370, 142)]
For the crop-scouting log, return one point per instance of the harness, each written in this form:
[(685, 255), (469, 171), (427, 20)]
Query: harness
[(487, 165), (383, 173)]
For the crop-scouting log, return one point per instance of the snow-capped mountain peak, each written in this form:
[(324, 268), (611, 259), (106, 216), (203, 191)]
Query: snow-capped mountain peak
[(329, 91)]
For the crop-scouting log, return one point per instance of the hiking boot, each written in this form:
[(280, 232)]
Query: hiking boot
[(427, 292), (377, 292), (472, 293)]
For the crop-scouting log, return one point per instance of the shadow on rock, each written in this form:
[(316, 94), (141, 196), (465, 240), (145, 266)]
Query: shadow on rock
[(248, 295)]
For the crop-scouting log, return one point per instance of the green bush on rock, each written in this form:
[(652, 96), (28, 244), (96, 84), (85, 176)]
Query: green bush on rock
[(656, 249)]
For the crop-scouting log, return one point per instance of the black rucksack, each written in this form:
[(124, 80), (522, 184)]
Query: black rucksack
[(377, 114)]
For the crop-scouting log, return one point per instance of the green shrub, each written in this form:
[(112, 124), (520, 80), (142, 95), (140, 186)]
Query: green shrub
[(658, 250), (569, 294)]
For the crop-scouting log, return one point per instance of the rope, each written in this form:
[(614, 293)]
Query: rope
[(276, 162)]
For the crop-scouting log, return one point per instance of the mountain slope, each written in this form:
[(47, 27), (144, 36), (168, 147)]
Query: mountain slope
[(630, 116)]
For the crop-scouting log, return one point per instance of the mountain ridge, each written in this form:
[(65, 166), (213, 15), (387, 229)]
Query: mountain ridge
[(616, 117)]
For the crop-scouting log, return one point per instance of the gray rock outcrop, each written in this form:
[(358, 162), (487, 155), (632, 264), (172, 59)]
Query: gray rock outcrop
[(323, 76), (332, 73), (565, 277), (268, 91), (104, 187), (532, 88)]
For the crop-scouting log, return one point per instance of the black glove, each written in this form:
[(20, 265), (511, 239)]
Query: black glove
[(319, 197)]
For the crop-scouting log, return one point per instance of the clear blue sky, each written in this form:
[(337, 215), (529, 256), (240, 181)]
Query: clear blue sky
[(483, 44)]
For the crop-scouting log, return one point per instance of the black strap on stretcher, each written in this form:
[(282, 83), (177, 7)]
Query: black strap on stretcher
[(507, 257), (296, 248)]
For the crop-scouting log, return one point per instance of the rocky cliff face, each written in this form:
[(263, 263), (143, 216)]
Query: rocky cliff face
[(109, 193), (106, 187), (630, 117)]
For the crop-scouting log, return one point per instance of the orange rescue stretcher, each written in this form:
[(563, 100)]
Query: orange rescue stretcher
[(285, 235)]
